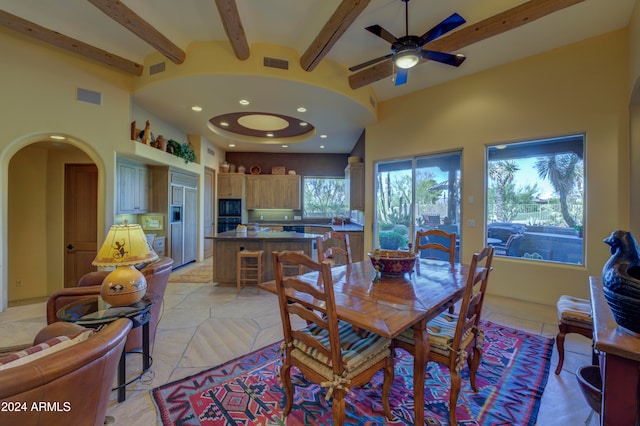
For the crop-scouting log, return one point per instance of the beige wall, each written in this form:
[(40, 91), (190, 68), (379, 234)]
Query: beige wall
[(582, 88)]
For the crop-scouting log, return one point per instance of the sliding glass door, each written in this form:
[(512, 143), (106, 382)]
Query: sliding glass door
[(416, 194)]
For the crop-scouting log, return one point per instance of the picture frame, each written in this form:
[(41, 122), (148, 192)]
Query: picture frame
[(152, 222)]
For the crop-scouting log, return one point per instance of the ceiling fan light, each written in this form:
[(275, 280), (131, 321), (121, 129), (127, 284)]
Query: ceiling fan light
[(407, 59)]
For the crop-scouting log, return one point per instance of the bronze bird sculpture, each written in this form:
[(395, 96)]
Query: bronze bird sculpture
[(621, 280)]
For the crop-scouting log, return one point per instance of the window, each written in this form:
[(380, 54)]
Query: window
[(535, 199), (324, 197), (414, 195)]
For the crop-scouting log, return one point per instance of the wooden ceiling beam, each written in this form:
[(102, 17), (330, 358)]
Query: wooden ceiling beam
[(470, 34), (126, 17), (342, 18), (233, 27), (76, 46)]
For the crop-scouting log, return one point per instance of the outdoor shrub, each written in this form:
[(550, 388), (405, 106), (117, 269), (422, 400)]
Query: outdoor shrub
[(400, 229), (392, 241)]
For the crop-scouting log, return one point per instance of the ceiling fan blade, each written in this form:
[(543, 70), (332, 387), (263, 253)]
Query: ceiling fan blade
[(470, 34), (452, 22), (369, 63), (382, 33), (445, 58), (401, 76)]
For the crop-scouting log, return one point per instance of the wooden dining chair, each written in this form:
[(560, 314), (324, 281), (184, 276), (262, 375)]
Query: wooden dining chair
[(436, 239), (327, 352), (333, 246), (454, 338)]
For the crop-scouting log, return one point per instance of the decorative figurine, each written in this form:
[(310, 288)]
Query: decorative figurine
[(621, 280)]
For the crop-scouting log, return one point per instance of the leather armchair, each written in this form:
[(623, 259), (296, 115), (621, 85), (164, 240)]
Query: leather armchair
[(61, 379), (157, 275)]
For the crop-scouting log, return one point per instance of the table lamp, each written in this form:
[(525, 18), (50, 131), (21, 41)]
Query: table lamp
[(125, 246)]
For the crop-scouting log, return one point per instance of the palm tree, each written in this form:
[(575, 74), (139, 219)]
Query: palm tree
[(562, 171), (502, 173)]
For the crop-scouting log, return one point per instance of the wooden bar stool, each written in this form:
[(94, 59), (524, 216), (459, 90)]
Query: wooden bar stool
[(249, 268), (574, 316)]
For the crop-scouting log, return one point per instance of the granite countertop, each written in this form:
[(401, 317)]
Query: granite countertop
[(264, 235), (349, 227)]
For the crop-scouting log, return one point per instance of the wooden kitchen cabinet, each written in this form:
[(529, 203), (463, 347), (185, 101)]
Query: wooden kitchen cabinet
[(273, 192), (133, 187), (231, 185), (354, 185)]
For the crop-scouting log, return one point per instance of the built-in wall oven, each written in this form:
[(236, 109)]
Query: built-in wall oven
[(229, 214)]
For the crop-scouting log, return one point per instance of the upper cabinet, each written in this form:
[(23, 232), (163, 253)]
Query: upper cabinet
[(354, 185), (231, 185), (273, 192), (133, 187)]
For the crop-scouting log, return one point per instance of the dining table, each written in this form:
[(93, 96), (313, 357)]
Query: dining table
[(388, 305)]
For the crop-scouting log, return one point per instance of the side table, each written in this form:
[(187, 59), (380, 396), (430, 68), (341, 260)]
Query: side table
[(92, 312)]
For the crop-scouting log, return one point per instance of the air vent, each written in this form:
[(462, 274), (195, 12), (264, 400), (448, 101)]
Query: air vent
[(210, 151), (156, 68), (276, 63), (89, 96)]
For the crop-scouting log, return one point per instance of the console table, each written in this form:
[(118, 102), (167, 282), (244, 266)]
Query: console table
[(619, 363)]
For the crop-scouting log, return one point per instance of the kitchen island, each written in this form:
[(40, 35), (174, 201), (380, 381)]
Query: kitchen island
[(227, 244)]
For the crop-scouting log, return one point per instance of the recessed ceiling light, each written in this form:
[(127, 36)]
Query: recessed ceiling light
[(232, 145), (322, 146), (243, 102), (196, 108), (304, 123), (269, 135), (323, 136), (302, 109), (224, 124), (57, 137), (285, 146)]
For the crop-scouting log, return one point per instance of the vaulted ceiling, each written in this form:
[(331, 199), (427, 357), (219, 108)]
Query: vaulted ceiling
[(317, 40)]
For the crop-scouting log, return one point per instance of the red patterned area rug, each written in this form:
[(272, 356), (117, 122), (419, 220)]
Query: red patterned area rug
[(246, 391)]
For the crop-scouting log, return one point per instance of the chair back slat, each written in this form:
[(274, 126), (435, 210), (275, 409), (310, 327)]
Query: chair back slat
[(308, 301), (434, 239), (334, 246), (473, 296)]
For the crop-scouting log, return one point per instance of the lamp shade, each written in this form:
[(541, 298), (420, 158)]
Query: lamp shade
[(125, 246)]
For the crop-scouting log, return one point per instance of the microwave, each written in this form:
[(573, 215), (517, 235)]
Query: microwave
[(229, 207)]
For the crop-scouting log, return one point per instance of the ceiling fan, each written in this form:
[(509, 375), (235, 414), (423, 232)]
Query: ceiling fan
[(406, 51)]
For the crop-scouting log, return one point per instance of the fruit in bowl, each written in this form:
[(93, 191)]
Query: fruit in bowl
[(393, 262)]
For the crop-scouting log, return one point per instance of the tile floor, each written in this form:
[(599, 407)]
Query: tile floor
[(204, 325)]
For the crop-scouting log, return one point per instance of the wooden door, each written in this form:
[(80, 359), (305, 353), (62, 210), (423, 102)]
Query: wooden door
[(209, 210), (80, 221)]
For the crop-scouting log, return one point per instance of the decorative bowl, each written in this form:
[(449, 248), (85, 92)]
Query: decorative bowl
[(590, 383), (393, 263)]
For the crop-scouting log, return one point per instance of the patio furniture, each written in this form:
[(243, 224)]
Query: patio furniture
[(574, 316), (328, 352), (334, 246), (512, 247), (454, 338)]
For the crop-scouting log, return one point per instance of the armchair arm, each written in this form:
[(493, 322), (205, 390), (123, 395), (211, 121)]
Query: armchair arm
[(65, 296)]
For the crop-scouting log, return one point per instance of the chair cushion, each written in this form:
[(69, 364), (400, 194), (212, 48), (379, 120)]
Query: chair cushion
[(49, 347), (357, 347), (441, 330), (575, 311)]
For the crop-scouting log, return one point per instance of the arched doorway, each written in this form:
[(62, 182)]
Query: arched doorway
[(36, 218)]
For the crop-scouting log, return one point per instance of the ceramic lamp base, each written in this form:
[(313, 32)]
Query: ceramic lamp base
[(124, 286)]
